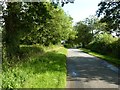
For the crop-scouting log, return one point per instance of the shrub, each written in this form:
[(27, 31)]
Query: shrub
[(103, 43), (68, 45), (116, 48)]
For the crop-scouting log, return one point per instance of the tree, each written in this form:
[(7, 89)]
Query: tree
[(62, 2), (21, 18), (111, 14), (26, 18), (84, 34), (95, 25), (55, 29)]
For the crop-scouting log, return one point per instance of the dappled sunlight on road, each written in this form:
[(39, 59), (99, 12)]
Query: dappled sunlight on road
[(86, 71)]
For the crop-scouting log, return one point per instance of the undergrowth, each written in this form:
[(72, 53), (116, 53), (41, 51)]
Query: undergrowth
[(41, 67)]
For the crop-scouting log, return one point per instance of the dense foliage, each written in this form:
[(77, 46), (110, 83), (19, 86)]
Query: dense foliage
[(33, 23), (93, 34), (116, 48), (53, 31), (34, 66), (87, 30), (111, 14), (84, 34), (105, 44), (21, 18)]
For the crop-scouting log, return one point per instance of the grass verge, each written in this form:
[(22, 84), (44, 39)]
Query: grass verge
[(109, 59), (41, 68)]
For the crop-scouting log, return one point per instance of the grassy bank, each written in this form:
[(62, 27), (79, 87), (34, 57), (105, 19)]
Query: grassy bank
[(109, 59), (41, 68)]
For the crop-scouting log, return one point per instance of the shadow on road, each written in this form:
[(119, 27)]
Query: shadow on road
[(89, 68)]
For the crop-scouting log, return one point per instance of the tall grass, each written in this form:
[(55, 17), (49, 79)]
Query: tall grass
[(41, 68)]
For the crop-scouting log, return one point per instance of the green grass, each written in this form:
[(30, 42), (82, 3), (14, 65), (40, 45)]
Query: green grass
[(42, 67), (109, 59)]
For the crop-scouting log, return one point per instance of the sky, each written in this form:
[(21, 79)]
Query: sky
[(81, 9)]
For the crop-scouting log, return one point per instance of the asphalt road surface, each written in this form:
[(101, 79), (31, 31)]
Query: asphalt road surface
[(86, 71)]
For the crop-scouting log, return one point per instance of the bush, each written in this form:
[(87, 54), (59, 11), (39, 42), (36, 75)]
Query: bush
[(103, 43), (116, 48), (68, 46)]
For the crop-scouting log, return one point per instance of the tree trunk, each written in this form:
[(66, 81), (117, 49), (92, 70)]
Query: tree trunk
[(11, 37)]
